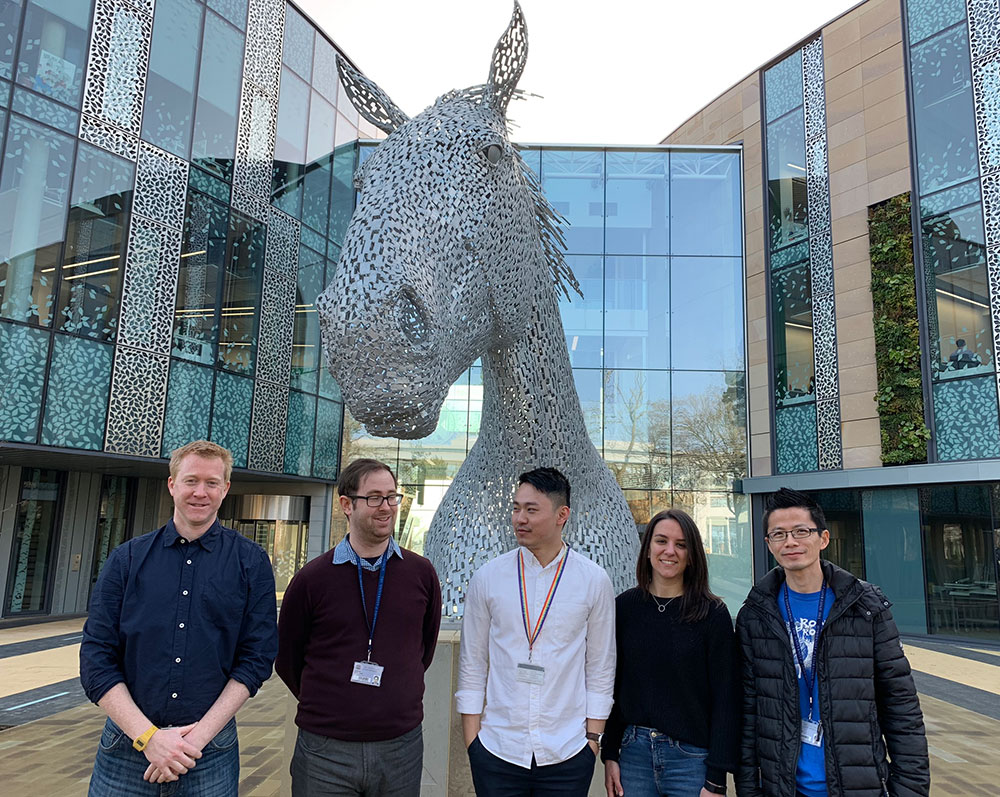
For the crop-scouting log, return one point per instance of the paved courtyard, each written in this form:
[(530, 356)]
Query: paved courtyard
[(49, 749)]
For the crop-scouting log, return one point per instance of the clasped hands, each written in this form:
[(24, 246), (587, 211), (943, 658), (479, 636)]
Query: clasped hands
[(171, 752)]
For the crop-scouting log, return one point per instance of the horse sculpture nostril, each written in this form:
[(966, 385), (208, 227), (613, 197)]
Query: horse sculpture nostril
[(412, 318)]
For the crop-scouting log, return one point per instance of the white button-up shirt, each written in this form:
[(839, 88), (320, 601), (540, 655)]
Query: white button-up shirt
[(576, 646)]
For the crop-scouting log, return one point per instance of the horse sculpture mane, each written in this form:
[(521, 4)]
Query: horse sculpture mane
[(454, 253)]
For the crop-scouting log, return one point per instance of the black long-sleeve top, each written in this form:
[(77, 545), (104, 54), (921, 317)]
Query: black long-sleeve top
[(678, 677)]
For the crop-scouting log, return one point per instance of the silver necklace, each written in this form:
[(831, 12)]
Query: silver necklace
[(662, 607)]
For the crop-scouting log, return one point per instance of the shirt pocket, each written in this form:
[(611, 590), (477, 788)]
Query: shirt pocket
[(223, 606)]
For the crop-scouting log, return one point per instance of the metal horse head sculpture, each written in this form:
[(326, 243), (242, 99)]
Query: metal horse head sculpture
[(452, 254)]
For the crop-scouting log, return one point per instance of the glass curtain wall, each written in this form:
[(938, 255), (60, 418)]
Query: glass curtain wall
[(35, 531), (788, 248), (960, 356), (656, 345)]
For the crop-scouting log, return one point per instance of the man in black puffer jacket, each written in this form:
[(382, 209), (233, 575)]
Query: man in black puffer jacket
[(840, 715)]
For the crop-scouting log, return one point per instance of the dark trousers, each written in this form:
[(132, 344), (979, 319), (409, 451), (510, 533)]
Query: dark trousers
[(494, 777)]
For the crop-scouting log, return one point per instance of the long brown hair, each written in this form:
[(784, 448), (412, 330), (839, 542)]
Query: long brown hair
[(697, 597)]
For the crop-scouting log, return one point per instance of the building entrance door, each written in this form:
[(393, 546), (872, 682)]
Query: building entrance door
[(277, 523), (34, 542)]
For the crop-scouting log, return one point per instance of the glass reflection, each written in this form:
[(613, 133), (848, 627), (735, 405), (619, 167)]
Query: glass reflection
[(636, 208), (203, 257), (173, 64), (573, 181), (589, 384), (583, 317), (305, 337), (214, 146), (791, 316), (10, 19), (637, 312), (290, 144), (95, 244), (34, 188), (34, 541), (342, 197), (241, 288), (54, 47), (297, 51), (637, 433), (786, 180), (437, 457), (942, 110), (706, 211), (960, 326), (706, 340), (708, 442), (112, 520)]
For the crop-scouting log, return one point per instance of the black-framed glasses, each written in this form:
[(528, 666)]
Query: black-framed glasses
[(375, 501), (780, 535)]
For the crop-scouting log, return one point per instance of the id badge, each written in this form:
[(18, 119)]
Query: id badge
[(368, 673), (811, 733), (530, 673)]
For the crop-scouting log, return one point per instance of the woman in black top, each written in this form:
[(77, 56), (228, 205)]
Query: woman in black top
[(674, 729)]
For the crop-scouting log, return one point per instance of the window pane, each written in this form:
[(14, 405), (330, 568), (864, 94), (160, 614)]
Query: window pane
[(173, 62), (573, 181), (305, 338), (54, 47), (706, 313), (322, 117), (325, 79), (112, 520), (894, 556), (842, 509), (724, 522), (95, 244), (637, 427), (10, 19), (795, 438), (965, 419), (35, 186), (203, 257), (583, 317), (241, 289), (942, 110), (589, 383), (960, 327), (709, 445), (233, 10), (231, 414), (637, 312), (297, 51), (189, 393), (791, 314), (959, 561), (637, 211), (705, 204), (342, 199), (930, 16), (316, 198), (214, 146), (786, 180), (290, 145), (325, 460), (23, 354), (300, 429), (76, 404), (783, 86), (34, 541), (438, 456)]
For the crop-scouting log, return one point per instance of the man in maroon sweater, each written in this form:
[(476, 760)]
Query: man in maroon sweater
[(357, 630)]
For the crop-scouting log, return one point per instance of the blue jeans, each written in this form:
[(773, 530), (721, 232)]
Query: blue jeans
[(653, 764), (119, 767)]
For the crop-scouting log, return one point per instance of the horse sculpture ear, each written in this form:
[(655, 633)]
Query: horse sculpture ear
[(509, 58), (371, 102)]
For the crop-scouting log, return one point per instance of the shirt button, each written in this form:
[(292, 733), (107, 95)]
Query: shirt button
[(183, 541), (174, 695), (181, 625), (178, 659), (185, 592), (189, 561)]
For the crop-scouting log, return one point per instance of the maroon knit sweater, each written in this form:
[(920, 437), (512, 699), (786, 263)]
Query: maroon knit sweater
[(322, 632)]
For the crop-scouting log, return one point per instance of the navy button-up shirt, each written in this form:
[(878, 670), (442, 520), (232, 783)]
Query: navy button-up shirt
[(175, 620)]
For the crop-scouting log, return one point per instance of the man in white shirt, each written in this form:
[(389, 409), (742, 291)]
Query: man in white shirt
[(538, 649)]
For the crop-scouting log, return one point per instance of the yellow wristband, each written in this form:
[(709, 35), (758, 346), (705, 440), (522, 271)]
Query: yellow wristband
[(141, 741)]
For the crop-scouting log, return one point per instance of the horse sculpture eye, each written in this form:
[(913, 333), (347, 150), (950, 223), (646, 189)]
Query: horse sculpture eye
[(492, 153)]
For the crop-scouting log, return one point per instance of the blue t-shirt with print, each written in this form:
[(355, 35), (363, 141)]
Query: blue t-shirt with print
[(810, 773)]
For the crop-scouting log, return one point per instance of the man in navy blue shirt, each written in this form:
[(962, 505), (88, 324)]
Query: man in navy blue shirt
[(182, 630)]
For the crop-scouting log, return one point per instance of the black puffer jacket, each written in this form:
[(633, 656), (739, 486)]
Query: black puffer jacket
[(867, 699)]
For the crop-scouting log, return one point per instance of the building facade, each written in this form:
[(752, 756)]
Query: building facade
[(871, 166)]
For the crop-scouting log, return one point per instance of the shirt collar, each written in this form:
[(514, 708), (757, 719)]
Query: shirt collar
[(206, 540), (344, 553), (531, 562)]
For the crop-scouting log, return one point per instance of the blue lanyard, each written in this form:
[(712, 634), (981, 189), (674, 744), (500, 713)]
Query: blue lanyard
[(378, 597), (809, 676)]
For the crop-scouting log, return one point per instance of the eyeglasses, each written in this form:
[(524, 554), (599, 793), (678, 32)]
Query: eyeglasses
[(375, 501), (780, 535)]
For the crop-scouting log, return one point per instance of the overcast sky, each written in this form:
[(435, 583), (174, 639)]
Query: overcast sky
[(612, 72)]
